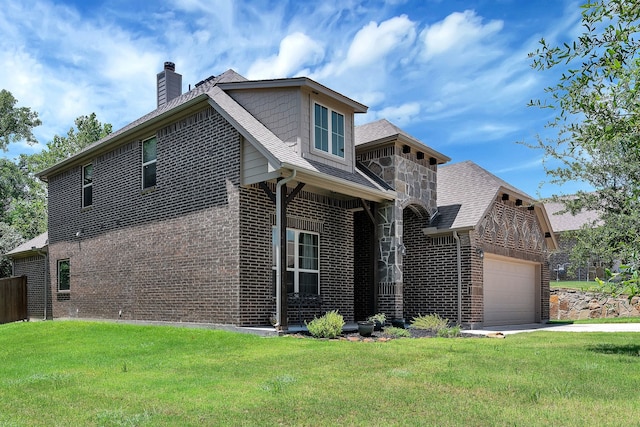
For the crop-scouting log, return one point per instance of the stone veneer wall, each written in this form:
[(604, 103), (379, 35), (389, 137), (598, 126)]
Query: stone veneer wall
[(415, 181), (572, 304)]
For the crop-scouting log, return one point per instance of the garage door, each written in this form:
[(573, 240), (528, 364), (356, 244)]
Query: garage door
[(509, 291)]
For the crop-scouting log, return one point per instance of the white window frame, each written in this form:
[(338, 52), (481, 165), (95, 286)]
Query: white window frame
[(296, 269), (60, 261), (154, 161), (85, 185), (330, 131)]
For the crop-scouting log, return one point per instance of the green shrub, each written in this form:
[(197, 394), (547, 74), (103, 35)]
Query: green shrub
[(397, 332), (328, 326), (431, 322), (451, 332), (379, 317)]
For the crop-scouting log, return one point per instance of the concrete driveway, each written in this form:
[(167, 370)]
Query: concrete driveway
[(569, 327)]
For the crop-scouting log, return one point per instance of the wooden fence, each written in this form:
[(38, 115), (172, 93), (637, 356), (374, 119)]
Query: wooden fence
[(13, 299)]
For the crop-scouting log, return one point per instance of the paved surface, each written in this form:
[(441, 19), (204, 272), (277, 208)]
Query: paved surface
[(569, 327)]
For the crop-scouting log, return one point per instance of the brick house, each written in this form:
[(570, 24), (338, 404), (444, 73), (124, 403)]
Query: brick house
[(563, 223), (239, 201)]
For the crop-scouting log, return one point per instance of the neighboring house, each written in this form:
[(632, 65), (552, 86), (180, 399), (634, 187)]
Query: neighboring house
[(30, 259), (240, 201), (562, 224)]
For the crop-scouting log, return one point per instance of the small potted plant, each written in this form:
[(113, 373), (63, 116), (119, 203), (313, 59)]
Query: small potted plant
[(365, 328), (378, 320)]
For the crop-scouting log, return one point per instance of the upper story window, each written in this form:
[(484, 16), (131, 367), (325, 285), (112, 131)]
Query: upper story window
[(328, 130), (87, 185), (149, 163), (64, 278)]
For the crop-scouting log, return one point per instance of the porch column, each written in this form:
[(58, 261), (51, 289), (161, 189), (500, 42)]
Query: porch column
[(389, 263)]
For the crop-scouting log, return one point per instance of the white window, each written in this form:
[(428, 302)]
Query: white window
[(149, 163), (303, 267), (64, 281), (87, 185), (328, 128)]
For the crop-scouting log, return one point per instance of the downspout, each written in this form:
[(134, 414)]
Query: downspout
[(45, 254), (459, 265), (278, 243)]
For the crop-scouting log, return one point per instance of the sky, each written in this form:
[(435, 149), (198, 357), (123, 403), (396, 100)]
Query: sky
[(454, 74)]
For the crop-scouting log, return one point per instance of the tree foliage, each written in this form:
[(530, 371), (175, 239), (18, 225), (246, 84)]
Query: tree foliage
[(596, 103), (88, 129), (15, 123)]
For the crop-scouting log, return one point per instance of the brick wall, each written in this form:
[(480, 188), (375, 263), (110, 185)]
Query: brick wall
[(430, 264), (166, 254), (309, 212), (364, 280), (34, 268), (431, 274)]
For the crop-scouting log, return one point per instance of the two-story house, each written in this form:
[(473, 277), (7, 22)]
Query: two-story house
[(234, 202)]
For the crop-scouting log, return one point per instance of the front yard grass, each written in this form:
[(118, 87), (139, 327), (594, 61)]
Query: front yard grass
[(107, 374), (574, 284)]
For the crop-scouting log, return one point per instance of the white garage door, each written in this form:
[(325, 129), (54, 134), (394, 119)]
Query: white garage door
[(509, 291)]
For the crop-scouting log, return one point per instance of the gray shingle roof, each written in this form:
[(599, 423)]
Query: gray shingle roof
[(566, 221), (39, 242), (465, 193)]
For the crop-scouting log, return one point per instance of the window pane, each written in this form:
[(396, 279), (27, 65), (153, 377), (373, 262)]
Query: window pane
[(309, 283), (87, 196), (321, 128), (87, 175), (63, 275), (149, 150), (337, 134), (290, 283), (291, 248), (308, 251), (149, 175)]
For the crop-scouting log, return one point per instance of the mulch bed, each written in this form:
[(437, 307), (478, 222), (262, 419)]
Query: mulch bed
[(381, 336)]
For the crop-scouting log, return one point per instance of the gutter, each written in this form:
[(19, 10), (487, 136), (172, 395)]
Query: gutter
[(278, 244)]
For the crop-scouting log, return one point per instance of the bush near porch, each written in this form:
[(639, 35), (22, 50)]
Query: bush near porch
[(107, 374)]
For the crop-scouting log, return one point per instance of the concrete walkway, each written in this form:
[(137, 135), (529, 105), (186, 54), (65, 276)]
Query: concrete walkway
[(568, 327)]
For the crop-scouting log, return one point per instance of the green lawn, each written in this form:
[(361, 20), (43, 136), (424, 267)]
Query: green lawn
[(65, 373), (574, 284)]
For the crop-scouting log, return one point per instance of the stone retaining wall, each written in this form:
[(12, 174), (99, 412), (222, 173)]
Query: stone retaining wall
[(572, 304)]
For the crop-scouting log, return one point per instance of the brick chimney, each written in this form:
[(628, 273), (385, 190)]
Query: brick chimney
[(169, 84)]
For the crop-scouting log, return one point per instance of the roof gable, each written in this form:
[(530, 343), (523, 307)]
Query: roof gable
[(466, 192)]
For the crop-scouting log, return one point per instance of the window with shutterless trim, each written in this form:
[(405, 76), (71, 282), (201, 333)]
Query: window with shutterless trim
[(87, 185), (303, 261), (149, 157), (328, 130), (64, 276)]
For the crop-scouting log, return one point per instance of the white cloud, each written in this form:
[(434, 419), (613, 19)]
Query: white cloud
[(400, 115), (296, 51), (460, 33), (373, 42)]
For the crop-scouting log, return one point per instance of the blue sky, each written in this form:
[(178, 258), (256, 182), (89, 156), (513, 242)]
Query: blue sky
[(454, 74)]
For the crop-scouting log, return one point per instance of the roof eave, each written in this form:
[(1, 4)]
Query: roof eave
[(109, 142), (342, 186), (295, 82)]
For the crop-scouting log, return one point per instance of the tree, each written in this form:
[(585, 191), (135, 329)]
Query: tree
[(15, 123), (88, 130), (597, 105)]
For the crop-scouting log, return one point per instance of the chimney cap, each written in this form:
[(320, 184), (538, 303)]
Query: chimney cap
[(169, 66)]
